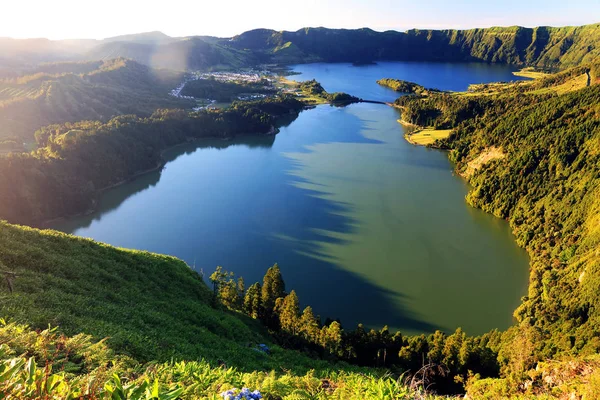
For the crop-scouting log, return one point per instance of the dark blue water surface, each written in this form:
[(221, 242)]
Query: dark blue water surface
[(360, 80)]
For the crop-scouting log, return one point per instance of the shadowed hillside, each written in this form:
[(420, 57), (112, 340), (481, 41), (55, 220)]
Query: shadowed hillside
[(69, 92), (187, 54)]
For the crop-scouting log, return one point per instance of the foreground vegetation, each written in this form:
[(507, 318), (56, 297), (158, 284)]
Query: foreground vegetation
[(45, 364), (151, 319)]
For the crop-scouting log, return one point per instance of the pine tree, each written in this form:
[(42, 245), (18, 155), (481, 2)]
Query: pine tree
[(241, 290), (333, 339), (252, 301), (273, 288), (217, 278), (308, 325), (289, 313)]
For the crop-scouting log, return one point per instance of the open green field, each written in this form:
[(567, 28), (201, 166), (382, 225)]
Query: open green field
[(427, 136), (530, 73)]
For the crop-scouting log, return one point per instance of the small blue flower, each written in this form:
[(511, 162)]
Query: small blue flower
[(244, 394)]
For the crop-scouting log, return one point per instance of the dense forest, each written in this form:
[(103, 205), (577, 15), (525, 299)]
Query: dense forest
[(530, 152), (64, 175)]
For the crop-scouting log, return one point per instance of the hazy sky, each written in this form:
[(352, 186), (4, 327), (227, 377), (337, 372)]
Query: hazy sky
[(61, 19)]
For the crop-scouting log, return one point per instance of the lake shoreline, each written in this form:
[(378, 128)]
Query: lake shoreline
[(268, 189), (160, 165)]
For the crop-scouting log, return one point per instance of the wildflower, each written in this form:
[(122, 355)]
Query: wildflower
[(244, 394)]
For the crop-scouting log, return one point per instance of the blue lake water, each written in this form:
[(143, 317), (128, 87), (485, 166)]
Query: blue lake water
[(365, 227)]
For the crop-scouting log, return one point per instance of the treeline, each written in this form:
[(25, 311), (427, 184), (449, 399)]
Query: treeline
[(225, 91), (75, 161), (445, 361), (447, 110)]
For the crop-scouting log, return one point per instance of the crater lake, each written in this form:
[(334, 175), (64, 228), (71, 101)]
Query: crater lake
[(364, 226)]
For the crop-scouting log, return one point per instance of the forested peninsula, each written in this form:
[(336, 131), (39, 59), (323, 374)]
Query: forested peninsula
[(68, 170)]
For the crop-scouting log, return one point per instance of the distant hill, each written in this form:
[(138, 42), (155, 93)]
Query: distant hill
[(69, 92), (185, 54), (155, 37), (541, 46), (545, 47)]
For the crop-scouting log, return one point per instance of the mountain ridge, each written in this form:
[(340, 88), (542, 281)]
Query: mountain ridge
[(542, 46)]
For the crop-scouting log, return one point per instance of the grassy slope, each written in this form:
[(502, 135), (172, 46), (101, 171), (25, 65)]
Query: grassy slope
[(152, 307), (78, 367), (428, 136), (156, 313)]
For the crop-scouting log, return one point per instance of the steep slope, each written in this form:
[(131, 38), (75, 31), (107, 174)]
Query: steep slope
[(151, 307), (68, 92), (530, 152)]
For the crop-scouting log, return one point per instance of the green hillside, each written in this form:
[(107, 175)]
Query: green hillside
[(67, 171), (542, 46), (530, 152), (150, 307), (69, 92)]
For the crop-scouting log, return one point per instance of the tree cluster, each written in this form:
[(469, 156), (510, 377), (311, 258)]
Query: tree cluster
[(456, 357)]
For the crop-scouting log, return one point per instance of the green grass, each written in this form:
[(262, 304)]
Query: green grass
[(151, 307), (530, 73), (45, 364), (575, 83), (428, 136), (131, 323)]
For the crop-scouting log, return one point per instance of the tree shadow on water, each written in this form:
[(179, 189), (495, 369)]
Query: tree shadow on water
[(320, 278)]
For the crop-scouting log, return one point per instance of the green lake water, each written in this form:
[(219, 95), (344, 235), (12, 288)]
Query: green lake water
[(365, 227)]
